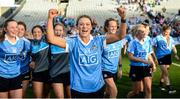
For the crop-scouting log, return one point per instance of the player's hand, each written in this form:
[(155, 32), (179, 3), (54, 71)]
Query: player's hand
[(122, 12), (146, 62), (119, 74), (32, 65), (52, 13), (177, 57)]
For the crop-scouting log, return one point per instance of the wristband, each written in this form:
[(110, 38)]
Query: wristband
[(123, 20)]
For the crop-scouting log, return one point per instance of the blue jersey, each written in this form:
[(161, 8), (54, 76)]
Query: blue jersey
[(111, 57), (129, 38), (86, 64), (10, 57), (26, 57), (40, 54), (139, 51), (148, 39), (59, 61), (162, 47)]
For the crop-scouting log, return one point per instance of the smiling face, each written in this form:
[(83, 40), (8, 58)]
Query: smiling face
[(84, 26), (37, 33), (59, 30), (21, 30), (147, 30), (11, 29), (112, 27), (167, 32), (141, 32)]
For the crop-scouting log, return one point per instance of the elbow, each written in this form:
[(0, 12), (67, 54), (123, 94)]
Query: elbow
[(50, 40), (122, 35)]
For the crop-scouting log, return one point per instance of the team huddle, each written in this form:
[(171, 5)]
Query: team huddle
[(81, 65)]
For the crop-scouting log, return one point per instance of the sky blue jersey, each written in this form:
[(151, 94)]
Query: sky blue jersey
[(149, 39), (111, 55), (140, 51), (26, 56), (10, 57), (162, 47), (86, 63), (129, 38)]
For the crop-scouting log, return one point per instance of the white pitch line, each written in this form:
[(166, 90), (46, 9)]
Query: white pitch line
[(175, 64)]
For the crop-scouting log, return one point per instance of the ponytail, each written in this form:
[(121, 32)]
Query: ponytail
[(2, 35)]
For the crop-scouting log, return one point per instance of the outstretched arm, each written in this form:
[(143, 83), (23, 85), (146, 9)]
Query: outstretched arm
[(122, 33), (50, 30)]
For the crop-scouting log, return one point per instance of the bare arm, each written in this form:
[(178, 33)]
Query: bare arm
[(50, 30), (150, 59), (122, 33), (125, 48), (132, 58), (120, 67)]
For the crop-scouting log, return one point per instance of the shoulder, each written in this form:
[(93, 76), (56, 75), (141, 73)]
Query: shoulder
[(99, 37), (132, 43)]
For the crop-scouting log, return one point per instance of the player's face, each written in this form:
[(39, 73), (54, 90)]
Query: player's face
[(141, 33), (84, 27), (112, 27), (167, 32), (37, 33), (21, 30), (12, 29), (147, 30), (59, 31)]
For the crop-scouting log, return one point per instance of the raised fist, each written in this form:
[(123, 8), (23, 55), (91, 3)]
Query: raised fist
[(122, 12), (52, 13)]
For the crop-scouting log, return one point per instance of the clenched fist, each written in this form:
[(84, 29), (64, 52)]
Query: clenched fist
[(122, 12), (52, 13)]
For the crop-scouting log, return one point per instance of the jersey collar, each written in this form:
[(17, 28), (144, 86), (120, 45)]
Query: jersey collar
[(6, 38), (91, 38), (139, 41)]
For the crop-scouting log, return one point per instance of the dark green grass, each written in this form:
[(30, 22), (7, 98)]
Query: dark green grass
[(124, 84)]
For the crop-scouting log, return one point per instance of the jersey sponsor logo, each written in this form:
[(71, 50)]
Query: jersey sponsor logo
[(23, 55), (88, 60), (11, 57), (94, 47), (14, 57), (113, 54), (141, 55)]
